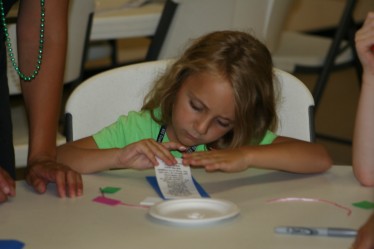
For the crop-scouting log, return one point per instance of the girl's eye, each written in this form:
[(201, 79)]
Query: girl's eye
[(224, 124), (195, 106)]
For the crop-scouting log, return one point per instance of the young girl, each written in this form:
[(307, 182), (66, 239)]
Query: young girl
[(218, 100)]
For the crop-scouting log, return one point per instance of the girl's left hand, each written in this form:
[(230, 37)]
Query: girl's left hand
[(229, 160)]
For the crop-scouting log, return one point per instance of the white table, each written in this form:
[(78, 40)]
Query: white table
[(45, 221), (111, 23)]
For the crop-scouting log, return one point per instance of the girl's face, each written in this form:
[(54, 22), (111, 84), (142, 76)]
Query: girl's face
[(203, 110)]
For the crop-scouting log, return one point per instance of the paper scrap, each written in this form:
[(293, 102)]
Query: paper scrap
[(110, 190), (150, 201), (176, 181), (107, 201), (364, 204), (11, 244)]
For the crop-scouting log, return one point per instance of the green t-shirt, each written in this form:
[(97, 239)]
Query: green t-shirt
[(137, 126)]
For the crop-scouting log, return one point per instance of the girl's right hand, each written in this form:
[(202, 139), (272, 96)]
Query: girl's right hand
[(142, 154)]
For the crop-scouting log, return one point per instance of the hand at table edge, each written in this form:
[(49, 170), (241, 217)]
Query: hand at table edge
[(68, 181)]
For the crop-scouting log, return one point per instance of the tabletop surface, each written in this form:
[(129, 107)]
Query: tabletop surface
[(46, 221)]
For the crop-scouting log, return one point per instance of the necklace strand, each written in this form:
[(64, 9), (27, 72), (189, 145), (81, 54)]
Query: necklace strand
[(9, 44)]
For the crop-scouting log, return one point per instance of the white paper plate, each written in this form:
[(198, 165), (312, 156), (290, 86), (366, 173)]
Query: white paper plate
[(194, 211)]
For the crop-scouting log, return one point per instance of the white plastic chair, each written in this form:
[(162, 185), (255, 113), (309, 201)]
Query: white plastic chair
[(101, 99), (80, 18), (183, 20)]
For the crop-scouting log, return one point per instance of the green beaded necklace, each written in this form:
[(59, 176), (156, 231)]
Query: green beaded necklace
[(9, 44)]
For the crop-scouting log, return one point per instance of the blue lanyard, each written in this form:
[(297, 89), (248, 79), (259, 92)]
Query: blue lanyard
[(161, 135)]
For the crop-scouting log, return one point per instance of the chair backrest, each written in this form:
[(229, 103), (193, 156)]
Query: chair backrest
[(189, 19), (295, 107), (101, 99), (79, 27)]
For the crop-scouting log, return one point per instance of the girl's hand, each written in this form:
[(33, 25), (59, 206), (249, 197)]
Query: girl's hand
[(142, 154), (229, 160)]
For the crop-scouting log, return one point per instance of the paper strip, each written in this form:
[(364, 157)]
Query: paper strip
[(175, 181), (349, 211)]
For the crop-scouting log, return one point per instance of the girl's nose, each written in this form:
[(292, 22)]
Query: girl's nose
[(202, 125)]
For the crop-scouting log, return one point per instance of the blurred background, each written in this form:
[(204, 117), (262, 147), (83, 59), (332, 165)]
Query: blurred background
[(120, 32)]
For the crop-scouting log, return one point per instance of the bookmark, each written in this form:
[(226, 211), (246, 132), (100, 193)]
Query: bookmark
[(175, 181)]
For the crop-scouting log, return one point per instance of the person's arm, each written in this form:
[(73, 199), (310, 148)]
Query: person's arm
[(363, 140), (42, 95), (85, 157), (284, 154)]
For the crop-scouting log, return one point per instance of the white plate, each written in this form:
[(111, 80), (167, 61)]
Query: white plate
[(194, 211)]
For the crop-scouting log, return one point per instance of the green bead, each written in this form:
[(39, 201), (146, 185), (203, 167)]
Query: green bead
[(9, 45)]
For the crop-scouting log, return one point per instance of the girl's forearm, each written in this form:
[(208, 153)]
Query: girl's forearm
[(291, 156), (87, 160)]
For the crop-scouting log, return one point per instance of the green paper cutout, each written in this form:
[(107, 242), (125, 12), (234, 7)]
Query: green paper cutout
[(110, 190), (364, 204)]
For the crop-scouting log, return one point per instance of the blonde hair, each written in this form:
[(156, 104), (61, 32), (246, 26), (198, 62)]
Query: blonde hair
[(245, 62)]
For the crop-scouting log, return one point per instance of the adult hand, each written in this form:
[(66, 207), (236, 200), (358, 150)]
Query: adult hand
[(7, 186), (365, 238), (68, 181)]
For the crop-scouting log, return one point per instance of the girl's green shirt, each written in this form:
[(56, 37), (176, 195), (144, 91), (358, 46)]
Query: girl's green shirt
[(137, 126)]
